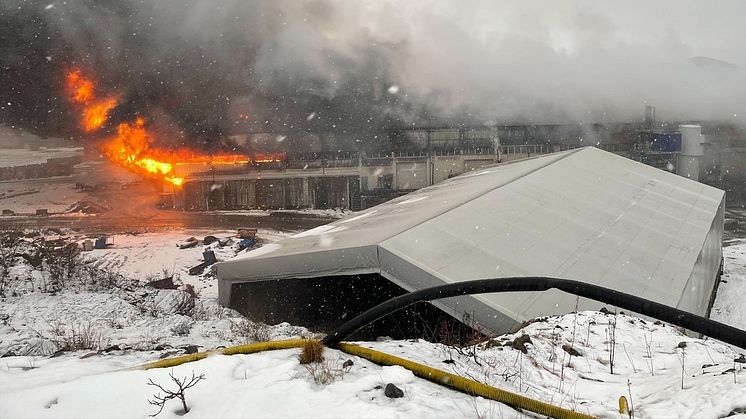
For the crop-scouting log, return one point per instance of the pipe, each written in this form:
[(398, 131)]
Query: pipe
[(440, 377), (698, 324)]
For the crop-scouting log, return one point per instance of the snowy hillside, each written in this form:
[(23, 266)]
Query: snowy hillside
[(648, 369), (64, 351)]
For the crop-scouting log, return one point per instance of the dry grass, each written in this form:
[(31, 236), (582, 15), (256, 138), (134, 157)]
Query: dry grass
[(78, 336), (251, 331), (313, 352), (325, 372)]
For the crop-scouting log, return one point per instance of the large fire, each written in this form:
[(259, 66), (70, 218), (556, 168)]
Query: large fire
[(133, 146)]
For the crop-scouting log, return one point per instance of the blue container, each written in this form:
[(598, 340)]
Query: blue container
[(666, 143), (100, 243), (209, 257)]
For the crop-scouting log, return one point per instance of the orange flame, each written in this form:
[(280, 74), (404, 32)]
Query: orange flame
[(132, 146), (82, 91)]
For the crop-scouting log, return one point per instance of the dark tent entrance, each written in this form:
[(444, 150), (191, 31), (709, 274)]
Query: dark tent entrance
[(322, 304)]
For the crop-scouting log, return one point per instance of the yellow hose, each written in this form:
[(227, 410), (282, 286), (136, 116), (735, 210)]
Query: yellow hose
[(233, 350), (465, 385), (435, 375)]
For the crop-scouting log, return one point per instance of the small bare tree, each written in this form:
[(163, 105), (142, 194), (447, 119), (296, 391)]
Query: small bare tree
[(611, 341), (160, 400)]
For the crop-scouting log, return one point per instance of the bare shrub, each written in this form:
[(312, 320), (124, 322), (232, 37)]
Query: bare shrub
[(75, 337), (189, 289), (252, 331), (325, 372), (96, 278), (9, 242), (611, 341), (463, 342), (181, 386), (312, 352), (181, 328), (62, 264), (184, 303)]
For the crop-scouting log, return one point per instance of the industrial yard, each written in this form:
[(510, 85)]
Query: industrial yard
[(324, 208)]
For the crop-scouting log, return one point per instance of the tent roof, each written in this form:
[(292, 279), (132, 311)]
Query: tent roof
[(583, 214)]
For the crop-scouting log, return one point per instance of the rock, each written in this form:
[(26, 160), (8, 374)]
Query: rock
[(88, 355), (570, 350), (681, 345), (169, 354), (384, 339), (209, 240), (163, 346), (348, 364), (741, 359), (112, 348), (604, 310), (393, 392), (8, 354), (520, 342), (163, 284), (191, 349)]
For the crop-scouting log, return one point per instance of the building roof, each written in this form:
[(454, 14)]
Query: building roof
[(583, 214)]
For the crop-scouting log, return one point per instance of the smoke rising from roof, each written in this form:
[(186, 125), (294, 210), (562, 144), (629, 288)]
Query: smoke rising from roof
[(204, 68)]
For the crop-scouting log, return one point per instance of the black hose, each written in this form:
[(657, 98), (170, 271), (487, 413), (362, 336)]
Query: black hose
[(698, 324)]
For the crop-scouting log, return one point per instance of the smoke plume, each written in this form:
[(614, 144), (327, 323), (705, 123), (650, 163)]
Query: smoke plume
[(205, 68)]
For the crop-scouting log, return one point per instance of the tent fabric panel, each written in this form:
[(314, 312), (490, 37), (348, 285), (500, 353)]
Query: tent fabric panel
[(613, 228)]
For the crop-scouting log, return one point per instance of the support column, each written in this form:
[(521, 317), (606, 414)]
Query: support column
[(306, 193)]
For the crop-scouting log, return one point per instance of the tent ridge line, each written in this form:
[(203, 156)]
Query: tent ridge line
[(508, 182)]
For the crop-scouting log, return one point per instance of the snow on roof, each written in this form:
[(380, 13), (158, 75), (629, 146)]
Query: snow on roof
[(583, 214)]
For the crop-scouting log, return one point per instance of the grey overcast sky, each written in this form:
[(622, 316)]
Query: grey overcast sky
[(588, 59), (280, 60)]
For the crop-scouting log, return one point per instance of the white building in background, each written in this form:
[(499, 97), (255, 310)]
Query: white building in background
[(584, 214), (690, 160)]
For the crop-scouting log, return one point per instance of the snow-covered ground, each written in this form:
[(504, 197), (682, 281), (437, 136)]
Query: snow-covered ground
[(56, 195), (647, 370), (10, 157), (116, 307), (149, 255), (269, 384), (663, 372), (729, 302)]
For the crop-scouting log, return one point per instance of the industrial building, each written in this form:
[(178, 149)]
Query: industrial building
[(337, 171), (582, 214)]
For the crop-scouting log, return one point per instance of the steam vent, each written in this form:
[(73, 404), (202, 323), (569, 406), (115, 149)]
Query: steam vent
[(584, 214)]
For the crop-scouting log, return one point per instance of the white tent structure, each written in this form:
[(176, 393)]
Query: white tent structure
[(584, 214)]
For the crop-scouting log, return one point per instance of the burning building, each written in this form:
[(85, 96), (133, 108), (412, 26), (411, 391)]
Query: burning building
[(331, 174)]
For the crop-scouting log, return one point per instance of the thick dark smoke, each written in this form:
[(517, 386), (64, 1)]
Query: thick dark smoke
[(201, 69)]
